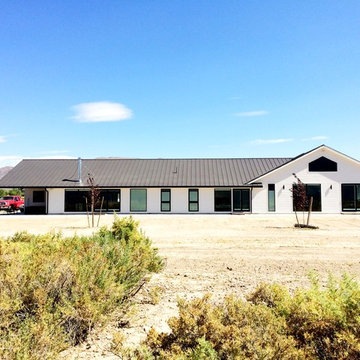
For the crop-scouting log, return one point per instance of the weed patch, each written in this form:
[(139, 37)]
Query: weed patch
[(315, 324), (53, 289)]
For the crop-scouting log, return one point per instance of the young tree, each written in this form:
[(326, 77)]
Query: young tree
[(300, 199), (93, 197)]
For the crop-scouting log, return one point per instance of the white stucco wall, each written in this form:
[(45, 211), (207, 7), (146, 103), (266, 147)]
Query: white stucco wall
[(56, 201), (179, 200), (348, 172)]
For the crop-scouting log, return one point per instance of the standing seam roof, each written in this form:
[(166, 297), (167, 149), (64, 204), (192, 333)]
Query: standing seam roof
[(140, 172)]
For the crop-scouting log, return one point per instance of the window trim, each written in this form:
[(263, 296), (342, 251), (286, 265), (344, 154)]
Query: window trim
[(306, 189), (165, 202), (192, 201), (97, 209), (107, 207), (231, 200), (71, 190), (131, 210), (242, 190), (272, 191), (355, 185)]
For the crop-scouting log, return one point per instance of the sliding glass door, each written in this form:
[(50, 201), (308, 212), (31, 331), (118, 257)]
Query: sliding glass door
[(350, 194), (237, 200), (241, 200)]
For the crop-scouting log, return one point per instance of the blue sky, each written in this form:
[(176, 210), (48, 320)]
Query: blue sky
[(178, 78)]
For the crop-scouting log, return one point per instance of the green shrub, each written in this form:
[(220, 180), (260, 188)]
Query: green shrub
[(233, 330), (53, 289), (324, 322), (272, 324)]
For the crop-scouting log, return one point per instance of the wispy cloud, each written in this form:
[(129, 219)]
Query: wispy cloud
[(102, 111), (9, 160), (12, 160), (56, 152), (271, 141), (57, 157), (252, 113), (315, 138), (2, 139)]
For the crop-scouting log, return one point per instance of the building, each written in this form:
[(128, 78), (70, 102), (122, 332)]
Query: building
[(181, 186)]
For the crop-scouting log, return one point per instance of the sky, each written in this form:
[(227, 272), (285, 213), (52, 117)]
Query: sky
[(178, 79)]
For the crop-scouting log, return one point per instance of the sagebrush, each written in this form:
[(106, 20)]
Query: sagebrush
[(316, 323), (53, 289)]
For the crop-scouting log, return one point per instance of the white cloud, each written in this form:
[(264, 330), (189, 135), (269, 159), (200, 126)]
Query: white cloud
[(2, 139), (314, 138), (271, 141), (9, 160), (101, 112), (252, 113), (55, 157), (56, 152), (12, 160)]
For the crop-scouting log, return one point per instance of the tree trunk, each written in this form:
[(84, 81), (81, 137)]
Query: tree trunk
[(92, 211), (102, 203), (87, 211), (310, 208), (297, 219)]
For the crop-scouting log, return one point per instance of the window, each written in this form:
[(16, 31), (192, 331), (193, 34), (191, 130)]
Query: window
[(138, 199), (350, 194), (323, 164), (165, 200), (271, 197), (222, 200), (39, 196), (241, 200), (314, 191), (111, 200), (75, 200), (193, 200)]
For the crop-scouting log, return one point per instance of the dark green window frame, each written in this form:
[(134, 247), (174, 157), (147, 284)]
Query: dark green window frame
[(316, 206), (165, 198), (222, 200), (350, 197), (193, 200), (241, 200), (132, 204), (75, 200), (271, 198)]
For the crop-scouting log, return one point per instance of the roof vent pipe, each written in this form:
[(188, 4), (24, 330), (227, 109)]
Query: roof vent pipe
[(79, 170)]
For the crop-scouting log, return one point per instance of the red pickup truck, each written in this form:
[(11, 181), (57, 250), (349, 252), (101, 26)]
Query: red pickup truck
[(11, 203)]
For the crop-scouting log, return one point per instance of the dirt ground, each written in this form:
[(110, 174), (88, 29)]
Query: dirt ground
[(217, 254)]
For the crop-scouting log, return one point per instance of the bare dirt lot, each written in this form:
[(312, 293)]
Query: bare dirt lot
[(217, 254)]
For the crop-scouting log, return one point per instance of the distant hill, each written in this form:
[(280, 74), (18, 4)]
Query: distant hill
[(4, 170)]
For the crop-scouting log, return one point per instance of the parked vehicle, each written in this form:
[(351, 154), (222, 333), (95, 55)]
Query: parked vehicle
[(11, 203)]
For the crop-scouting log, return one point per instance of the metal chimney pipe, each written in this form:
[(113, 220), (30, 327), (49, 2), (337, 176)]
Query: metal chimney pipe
[(79, 170)]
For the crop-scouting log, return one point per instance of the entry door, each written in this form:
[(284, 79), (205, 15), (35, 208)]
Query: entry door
[(241, 200)]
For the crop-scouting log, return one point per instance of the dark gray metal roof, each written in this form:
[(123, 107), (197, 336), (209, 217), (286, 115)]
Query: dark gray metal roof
[(140, 172)]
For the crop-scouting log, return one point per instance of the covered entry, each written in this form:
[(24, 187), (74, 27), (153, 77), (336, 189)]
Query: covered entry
[(35, 201)]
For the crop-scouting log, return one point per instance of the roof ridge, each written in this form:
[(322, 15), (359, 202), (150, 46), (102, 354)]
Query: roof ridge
[(132, 159)]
